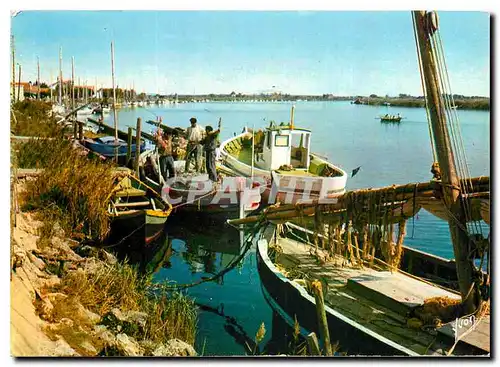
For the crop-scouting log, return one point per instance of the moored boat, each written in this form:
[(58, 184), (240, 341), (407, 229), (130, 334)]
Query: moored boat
[(195, 191), (282, 154), (108, 147), (366, 308), (138, 214)]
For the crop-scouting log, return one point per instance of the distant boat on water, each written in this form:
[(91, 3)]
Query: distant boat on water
[(390, 118)]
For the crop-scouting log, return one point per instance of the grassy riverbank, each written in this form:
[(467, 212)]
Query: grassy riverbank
[(83, 301)]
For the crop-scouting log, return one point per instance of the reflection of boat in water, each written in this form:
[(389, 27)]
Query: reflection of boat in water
[(149, 259), (208, 247)]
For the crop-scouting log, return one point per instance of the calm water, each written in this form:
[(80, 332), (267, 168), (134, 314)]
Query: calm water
[(350, 136)]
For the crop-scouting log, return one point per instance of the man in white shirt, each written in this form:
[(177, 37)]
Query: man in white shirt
[(195, 134)]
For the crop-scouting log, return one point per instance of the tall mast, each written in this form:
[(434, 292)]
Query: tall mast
[(114, 91), (19, 85), (38, 77), (72, 82), (13, 68), (450, 179), (60, 76)]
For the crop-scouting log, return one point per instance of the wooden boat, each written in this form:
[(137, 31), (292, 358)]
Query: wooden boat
[(282, 155), (138, 214), (379, 301), (195, 192), (390, 118), (367, 309), (107, 147)]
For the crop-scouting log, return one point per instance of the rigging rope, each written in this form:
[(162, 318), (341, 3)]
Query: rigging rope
[(420, 67)]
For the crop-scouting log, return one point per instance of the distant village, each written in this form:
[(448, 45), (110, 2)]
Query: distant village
[(44, 91)]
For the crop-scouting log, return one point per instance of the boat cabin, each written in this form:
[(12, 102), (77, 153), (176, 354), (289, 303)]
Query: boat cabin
[(284, 146)]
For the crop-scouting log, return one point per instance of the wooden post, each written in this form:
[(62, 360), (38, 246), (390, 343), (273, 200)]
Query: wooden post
[(137, 146), (292, 117), (75, 129), (313, 344), (445, 157), (80, 131), (321, 314), (129, 144), (38, 78), (19, 84)]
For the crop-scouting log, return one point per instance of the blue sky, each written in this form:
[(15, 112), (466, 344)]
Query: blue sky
[(339, 52)]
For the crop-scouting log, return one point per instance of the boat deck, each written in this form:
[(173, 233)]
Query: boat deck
[(377, 300), (244, 155)]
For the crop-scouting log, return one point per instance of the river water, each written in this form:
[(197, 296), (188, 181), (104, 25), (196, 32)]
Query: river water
[(350, 136)]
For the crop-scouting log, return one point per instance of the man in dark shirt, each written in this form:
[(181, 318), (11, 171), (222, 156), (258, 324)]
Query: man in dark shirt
[(210, 144)]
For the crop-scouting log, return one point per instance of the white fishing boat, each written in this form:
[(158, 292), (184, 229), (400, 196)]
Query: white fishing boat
[(282, 154)]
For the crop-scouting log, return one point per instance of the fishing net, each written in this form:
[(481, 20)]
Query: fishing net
[(370, 226)]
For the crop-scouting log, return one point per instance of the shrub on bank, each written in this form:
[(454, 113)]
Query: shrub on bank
[(33, 118), (71, 189)]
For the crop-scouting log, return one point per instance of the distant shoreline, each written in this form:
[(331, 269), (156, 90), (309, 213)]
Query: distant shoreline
[(461, 102)]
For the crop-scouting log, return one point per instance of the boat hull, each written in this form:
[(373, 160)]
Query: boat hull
[(292, 300), (109, 150), (138, 229)]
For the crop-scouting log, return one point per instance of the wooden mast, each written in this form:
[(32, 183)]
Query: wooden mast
[(450, 180), (13, 69), (19, 85), (114, 91), (73, 83)]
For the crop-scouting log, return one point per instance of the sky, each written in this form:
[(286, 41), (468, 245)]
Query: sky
[(296, 52)]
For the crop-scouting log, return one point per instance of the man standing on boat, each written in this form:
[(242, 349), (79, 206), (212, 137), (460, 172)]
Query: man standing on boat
[(210, 144), (195, 134), (164, 144)]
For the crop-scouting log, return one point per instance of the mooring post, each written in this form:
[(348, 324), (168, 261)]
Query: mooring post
[(80, 131), (137, 146), (313, 344), (129, 144), (321, 314)]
